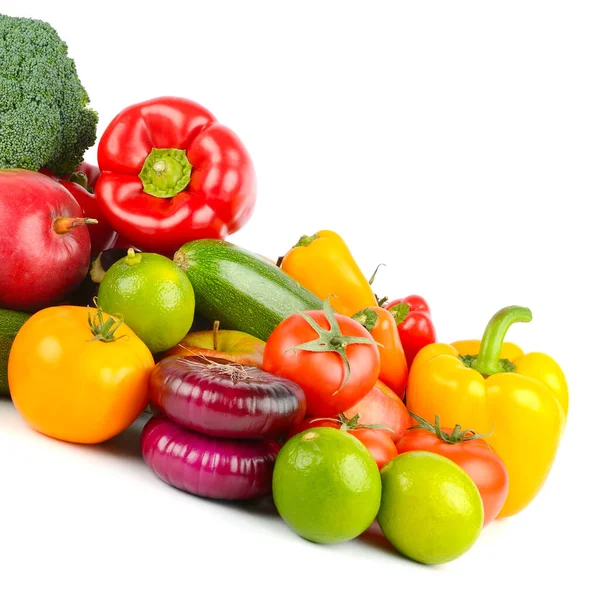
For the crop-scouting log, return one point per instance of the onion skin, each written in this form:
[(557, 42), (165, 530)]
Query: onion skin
[(208, 467), (223, 399)]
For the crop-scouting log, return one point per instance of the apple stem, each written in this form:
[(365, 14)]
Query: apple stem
[(64, 225), (216, 335)]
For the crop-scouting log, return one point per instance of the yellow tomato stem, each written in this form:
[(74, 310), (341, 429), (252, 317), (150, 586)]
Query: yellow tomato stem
[(488, 361), (104, 331)]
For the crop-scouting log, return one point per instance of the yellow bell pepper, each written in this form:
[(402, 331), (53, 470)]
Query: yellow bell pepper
[(491, 386), (323, 264)]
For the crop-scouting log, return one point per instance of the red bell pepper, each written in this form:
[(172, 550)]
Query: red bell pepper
[(91, 172), (81, 185), (413, 318), (170, 174)]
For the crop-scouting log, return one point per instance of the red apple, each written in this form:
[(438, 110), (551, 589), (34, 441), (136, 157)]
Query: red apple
[(102, 235), (44, 241), (383, 406)]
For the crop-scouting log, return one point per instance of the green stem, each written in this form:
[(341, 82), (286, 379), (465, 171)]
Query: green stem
[(488, 360), (133, 257), (399, 312), (306, 240), (457, 435), (367, 317), (80, 178), (166, 172), (347, 424), (104, 331), (372, 280)]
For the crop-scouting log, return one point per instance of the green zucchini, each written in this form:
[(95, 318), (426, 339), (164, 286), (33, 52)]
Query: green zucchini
[(241, 290), (10, 323)]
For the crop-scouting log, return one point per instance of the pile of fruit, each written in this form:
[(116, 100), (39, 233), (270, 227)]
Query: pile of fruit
[(120, 295)]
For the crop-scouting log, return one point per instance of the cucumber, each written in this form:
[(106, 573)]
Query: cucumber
[(10, 323), (241, 290)]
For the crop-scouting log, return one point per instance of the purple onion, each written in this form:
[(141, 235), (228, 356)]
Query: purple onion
[(225, 399), (209, 467)]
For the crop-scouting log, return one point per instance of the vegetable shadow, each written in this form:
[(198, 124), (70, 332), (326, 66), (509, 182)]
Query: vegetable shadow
[(262, 508), (126, 445), (375, 538)]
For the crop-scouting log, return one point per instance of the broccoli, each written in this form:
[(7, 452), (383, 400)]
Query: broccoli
[(44, 119)]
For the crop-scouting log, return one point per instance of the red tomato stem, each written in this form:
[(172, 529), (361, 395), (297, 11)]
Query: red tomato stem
[(457, 436)]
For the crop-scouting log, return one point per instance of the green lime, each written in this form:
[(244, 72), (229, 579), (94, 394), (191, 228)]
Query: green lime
[(431, 510), (154, 297), (326, 485)]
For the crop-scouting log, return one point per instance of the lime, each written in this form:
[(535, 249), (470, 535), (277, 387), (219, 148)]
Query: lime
[(154, 297), (431, 510), (326, 485)]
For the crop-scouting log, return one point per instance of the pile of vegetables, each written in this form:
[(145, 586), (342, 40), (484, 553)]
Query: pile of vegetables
[(276, 348)]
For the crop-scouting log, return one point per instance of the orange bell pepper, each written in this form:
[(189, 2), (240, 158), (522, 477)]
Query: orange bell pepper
[(381, 324)]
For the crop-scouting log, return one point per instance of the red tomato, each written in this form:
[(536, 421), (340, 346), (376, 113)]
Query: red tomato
[(322, 373), (476, 457), (379, 444), (381, 405)]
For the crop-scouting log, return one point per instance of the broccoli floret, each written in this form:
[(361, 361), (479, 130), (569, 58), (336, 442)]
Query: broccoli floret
[(44, 118)]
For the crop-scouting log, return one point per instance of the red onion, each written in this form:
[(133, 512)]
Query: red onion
[(208, 467), (225, 399)]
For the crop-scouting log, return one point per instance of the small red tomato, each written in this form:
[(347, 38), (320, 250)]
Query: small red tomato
[(377, 443), (375, 440), (331, 357), (472, 454)]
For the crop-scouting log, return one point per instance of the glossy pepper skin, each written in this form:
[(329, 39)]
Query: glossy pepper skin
[(382, 326), (323, 264), (415, 326), (170, 174), (520, 399), (81, 185)]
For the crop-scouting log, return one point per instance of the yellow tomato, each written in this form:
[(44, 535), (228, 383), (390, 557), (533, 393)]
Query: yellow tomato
[(78, 380)]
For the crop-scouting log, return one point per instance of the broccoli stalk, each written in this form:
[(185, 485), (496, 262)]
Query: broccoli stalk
[(44, 118)]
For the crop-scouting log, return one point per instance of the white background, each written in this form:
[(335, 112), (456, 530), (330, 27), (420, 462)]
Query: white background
[(456, 142)]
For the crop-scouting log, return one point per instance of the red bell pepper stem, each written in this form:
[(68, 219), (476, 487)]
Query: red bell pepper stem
[(80, 178), (488, 361), (166, 172)]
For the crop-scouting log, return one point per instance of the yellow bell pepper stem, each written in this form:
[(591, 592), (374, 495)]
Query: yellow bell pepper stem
[(488, 359), (323, 264)]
